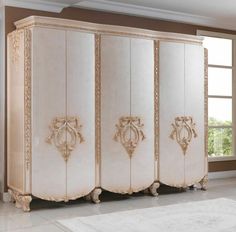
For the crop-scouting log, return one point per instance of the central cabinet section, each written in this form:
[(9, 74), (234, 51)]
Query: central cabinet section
[(127, 114)]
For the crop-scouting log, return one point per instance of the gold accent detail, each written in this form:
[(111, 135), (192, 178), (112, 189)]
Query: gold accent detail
[(27, 98), (203, 182), (153, 189), (64, 134), (206, 100), (156, 97), (182, 126), (129, 132), (15, 45), (94, 195), (96, 28), (98, 97), (21, 201)]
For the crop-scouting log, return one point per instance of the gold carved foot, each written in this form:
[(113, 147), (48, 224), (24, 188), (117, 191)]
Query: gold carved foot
[(153, 188), (21, 201), (94, 195), (203, 182)]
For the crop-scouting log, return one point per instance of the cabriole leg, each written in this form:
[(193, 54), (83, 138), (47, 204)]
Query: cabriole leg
[(153, 188), (94, 195), (21, 201), (204, 183)]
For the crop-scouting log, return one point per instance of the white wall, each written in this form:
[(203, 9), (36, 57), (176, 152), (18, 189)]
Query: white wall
[(2, 97)]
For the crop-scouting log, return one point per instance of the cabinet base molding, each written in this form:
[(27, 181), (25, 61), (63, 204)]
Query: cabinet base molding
[(204, 182), (94, 195), (21, 201)]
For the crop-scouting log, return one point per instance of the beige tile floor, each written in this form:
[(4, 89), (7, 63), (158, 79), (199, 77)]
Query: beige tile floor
[(44, 214)]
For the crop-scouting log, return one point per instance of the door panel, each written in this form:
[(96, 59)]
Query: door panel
[(194, 106), (142, 106), (115, 103), (81, 105), (171, 158), (48, 102)]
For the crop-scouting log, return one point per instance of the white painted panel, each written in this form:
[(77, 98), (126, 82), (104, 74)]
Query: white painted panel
[(194, 106), (142, 105), (81, 104), (171, 158), (49, 85), (115, 101)]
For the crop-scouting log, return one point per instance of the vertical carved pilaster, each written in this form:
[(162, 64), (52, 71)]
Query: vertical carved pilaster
[(98, 105), (206, 100), (156, 97), (27, 98)]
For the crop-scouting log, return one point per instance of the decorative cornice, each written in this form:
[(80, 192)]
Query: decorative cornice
[(50, 22), (148, 12), (45, 5)]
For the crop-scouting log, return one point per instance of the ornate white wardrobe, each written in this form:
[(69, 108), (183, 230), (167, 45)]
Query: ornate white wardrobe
[(94, 107)]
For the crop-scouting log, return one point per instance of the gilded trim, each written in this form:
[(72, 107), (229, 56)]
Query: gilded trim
[(206, 100), (98, 97), (183, 131), (27, 99), (47, 22), (156, 98), (14, 38), (64, 134), (129, 133)]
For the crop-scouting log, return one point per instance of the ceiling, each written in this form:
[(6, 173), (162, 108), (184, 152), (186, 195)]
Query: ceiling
[(216, 13)]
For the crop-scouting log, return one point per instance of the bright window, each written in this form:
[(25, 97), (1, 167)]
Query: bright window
[(220, 94)]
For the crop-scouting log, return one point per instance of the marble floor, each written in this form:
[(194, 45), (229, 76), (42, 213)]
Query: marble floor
[(44, 214)]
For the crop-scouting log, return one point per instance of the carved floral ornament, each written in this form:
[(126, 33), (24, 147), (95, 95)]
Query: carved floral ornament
[(129, 133), (15, 46), (183, 131), (64, 134)]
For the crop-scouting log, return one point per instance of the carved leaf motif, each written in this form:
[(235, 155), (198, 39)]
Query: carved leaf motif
[(15, 46), (64, 134), (129, 133), (183, 131)]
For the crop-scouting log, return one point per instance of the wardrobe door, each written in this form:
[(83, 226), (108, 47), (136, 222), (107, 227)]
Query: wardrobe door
[(80, 113), (171, 71), (48, 110), (142, 107), (115, 108), (195, 168)]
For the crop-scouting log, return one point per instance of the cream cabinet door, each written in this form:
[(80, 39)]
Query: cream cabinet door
[(142, 106), (81, 107), (195, 158), (48, 104), (171, 71), (115, 104), (127, 80), (182, 157)]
